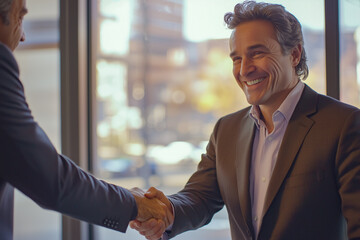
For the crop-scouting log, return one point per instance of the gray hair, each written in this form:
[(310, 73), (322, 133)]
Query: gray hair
[(5, 6), (287, 27)]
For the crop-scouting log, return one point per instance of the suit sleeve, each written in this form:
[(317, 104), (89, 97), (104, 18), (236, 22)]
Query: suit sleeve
[(30, 163), (200, 199), (348, 173)]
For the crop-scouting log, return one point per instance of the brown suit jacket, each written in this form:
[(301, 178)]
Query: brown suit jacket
[(315, 184)]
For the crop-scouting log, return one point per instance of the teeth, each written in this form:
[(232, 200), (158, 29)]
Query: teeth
[(255, 81)]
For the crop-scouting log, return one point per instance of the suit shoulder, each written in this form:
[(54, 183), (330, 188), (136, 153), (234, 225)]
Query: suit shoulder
[(7, 59), (233, 119), (9, 71), (327, 102), (236, 115)]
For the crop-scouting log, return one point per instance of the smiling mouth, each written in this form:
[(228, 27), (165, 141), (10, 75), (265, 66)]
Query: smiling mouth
[(256, 81)]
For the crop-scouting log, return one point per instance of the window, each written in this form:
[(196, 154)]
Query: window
[(38, 59), (163, 78), (349, 52)]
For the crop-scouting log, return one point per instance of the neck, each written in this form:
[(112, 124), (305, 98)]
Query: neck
[(266, 116), (268, 109)]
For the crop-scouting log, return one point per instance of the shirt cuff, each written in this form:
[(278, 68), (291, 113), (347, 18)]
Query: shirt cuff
[(165, 235)]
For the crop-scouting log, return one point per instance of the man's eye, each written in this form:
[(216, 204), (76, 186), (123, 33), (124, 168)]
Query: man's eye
[(236, 59), (257, 53)]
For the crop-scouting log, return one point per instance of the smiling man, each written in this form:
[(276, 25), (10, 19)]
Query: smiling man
[(260, 68), (288, 166)]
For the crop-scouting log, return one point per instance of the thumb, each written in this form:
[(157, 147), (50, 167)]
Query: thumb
[(154, 193), (135, 224)]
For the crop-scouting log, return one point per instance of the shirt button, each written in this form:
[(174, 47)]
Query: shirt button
[(263, 179), (255, 219)]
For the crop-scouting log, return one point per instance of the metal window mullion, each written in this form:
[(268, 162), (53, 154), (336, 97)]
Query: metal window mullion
[(332, 48), (74, 136)]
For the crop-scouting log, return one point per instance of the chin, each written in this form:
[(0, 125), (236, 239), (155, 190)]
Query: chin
[(254, 101)]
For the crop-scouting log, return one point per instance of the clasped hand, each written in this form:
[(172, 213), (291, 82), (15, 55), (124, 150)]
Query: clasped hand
[(155, 213)]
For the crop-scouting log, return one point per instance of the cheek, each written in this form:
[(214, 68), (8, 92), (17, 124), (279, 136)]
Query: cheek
[(236, 70), (275, 67), (17, 25)]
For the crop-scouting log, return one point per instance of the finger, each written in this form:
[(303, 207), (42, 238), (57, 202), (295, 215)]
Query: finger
[(153, 238), (137, 191), (135, 224), (156, 232), (155, 193), (146, 227), (161, 210), (166, 213), (151, 192)]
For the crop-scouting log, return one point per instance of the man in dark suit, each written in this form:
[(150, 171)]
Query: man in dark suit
[(288, 166), (30, 163)]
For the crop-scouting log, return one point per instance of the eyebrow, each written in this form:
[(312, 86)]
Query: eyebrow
[(249, 48), (232, 54), (256, 46)]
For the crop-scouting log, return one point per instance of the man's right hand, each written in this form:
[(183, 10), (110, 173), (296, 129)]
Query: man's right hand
[(149, 208), (153, 229)]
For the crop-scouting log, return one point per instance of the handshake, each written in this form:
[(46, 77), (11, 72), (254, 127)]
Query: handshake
[(155, 213)]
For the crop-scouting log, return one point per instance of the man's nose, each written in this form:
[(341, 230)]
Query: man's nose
[(247, 67)]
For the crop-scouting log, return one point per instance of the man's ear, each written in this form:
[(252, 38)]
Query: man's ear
[(296, 55)]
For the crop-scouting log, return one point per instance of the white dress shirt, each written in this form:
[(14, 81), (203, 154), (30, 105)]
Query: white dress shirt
[(265, 151)]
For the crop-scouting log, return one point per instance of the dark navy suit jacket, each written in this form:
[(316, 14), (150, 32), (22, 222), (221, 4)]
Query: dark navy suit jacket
[(30, 163)]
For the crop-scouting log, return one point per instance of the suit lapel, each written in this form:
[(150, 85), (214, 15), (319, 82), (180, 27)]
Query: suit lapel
[(243, 161), (298, 127)]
